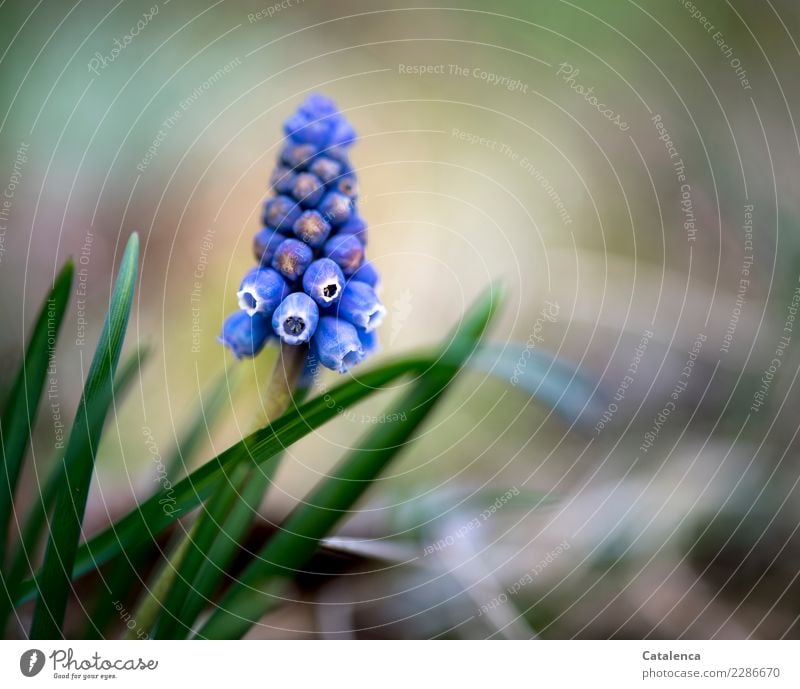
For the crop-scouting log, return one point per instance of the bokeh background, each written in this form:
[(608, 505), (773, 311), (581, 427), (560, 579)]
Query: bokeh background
[(628, 168)]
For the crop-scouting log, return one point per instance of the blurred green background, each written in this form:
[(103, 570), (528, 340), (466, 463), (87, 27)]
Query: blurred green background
[(483, 154)]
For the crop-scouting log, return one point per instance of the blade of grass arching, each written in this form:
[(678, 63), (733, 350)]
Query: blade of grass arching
[(23, 399), (330, 501), (30, 537), (54, 580), (162, 509)]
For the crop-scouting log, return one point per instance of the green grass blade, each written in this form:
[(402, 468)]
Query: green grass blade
[(24, 554), (23, 399), (148, 519), (54, 580), (224, 549), (209, 524), (291, 547)]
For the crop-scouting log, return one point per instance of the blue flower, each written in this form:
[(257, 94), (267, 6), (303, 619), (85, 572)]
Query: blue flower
[(336, 208), (295, 320), (261, 291), (323, 282), (264, 244), (312, 228), (318, 122), (327, 169), (367, 273), (360, 306), (355, 226), (282, 179), (300, 291), (281, 212), (346, 251), (308, 189), (245, 335), (348, 186), (336, 344), (292, 258), (368, 340), (298, 156)]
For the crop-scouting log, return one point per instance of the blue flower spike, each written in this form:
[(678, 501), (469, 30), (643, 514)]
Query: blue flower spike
[(323, 282), (245, 335), (261, 291), (295, 320), (312, 286), (360, 306)]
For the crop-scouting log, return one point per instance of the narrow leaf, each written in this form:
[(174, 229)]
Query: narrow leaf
[(54, 581), (42, 504), (23, 400)]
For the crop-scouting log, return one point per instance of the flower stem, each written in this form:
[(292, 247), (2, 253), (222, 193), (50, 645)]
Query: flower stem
[(283, 381)]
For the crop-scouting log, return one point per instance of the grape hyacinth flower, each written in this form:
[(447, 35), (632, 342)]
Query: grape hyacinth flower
[(295, 320), (245, 335), (360, 306), (292, 258), (261, 291), (312, 287)]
